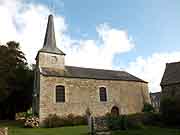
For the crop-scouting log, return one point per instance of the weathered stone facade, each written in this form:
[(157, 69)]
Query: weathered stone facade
[(81, 94), (170, 82), (171, 90), (124, 91)]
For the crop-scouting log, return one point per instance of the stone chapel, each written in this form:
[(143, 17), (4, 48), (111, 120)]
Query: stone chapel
[(63, 90)]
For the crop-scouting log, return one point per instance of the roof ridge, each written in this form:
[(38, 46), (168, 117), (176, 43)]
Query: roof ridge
[(173, 62), (97, 68)]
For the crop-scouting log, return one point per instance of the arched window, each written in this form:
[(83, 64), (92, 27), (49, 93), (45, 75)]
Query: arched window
[(60, 93), (102, 94)]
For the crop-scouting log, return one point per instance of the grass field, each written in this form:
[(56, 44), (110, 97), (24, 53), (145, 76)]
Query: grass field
[(17, 129), (149, 131)]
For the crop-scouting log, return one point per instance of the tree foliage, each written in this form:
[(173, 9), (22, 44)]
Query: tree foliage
[(170, 109), (148, 108), (16, 81)]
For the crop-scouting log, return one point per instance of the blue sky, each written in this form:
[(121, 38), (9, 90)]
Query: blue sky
[(138, 36), (153, 24)]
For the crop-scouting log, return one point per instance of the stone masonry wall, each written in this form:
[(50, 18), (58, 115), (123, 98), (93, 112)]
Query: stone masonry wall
[(81, 94), (171, 90)]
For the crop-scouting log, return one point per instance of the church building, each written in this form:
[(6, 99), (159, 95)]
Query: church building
[(60, 89)]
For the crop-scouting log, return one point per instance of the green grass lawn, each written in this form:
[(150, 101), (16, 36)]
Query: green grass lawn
[(16, 128), (149, 131)]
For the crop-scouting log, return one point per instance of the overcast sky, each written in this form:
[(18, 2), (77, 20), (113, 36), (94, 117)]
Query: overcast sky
[(138, 36)]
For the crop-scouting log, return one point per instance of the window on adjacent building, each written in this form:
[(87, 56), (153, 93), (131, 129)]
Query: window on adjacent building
[(60, 93), (102, 93)]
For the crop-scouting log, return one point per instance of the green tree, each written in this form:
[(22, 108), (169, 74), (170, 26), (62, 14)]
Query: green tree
[(170, 109), (148, 108), (16, 81)]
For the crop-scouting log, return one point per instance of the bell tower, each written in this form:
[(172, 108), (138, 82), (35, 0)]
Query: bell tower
[(50, 56)]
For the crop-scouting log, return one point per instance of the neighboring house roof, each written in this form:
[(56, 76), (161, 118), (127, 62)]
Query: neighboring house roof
[(89, 73), (171, 74)]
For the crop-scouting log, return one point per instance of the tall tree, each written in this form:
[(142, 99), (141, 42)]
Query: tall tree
[(16, 81)]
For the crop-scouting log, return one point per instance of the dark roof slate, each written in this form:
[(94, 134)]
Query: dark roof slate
[(89, 73), (171, 74), (49, 45)]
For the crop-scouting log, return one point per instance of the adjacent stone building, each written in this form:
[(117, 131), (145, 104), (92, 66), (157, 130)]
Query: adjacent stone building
[(63, 90), (170, 83)]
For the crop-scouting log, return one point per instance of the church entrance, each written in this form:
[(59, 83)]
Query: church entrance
[(115, 111)]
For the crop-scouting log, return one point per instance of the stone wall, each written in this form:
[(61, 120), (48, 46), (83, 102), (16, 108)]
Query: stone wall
[(50, 60), (83, 94), (171, 90)]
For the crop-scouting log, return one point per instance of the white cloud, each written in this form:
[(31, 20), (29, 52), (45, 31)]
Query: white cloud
[(26, 23), (152, 68), (99, 53)]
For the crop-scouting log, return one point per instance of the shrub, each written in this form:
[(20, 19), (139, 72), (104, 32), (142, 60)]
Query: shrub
[(170, 110), (113, 122), (32, 122), (135, 121), (80, 120), (70, 120), (117, 122), (124, 122), (148, 108), (153, 119), (53, 121), (138, 120)]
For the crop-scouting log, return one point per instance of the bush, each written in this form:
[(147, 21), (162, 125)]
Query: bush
[(138, 120), (153, 119), (32, 122), (170, 109), (70, 120), (117, 122), (124, 122), (113, 122), (148, 108), (135, 121), (52, 121)]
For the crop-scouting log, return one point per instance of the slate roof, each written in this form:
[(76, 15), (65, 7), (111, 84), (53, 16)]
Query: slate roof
[(171, 74), (49, 45), (89, 73)]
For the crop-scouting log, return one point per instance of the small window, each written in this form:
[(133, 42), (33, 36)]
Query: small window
[(60, 93), (102, 93)]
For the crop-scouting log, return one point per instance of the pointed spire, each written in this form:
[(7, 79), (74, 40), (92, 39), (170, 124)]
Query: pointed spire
[(50, 40)]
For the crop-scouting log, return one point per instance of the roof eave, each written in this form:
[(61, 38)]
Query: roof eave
[(92, 78)]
